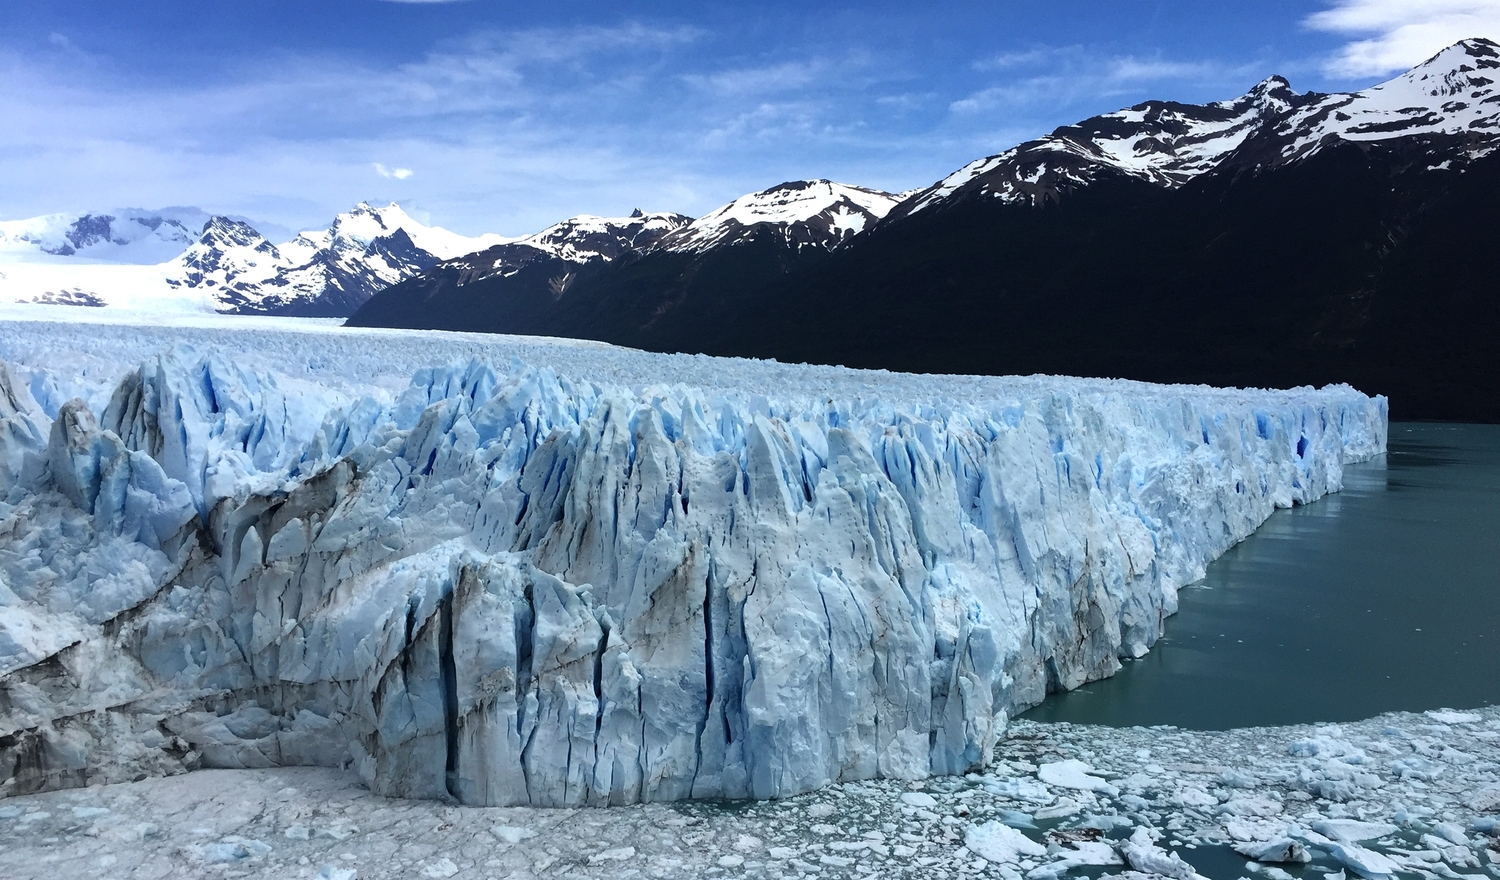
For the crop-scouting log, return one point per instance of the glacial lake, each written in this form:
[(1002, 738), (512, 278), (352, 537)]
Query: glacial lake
[(1383, 597)]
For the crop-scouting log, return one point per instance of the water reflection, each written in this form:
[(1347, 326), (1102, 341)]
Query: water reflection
[(1383, 597)]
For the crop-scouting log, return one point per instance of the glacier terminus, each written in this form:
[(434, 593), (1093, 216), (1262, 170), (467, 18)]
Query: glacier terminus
[(509, 571)]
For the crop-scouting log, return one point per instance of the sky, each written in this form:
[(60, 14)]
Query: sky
[(487, 116)]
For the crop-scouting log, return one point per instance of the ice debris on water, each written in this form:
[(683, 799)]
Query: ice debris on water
[(850, 830), (591, 576)]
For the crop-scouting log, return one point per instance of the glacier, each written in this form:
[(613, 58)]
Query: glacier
[(525, 572)]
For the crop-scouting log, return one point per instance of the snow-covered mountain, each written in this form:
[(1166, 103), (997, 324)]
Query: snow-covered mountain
[(327, 272), (582, 239), (153, 260), (557, 282), (803, 213), (129, 235), (1452, 96)]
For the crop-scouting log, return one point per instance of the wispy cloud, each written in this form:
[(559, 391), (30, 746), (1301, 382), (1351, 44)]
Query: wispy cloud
[(388, 173), (1398, 34), (507, 128), (1011, 60), (1064, 75)]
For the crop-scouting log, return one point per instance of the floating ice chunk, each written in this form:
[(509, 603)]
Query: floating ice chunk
[(334, 872), (1193, 796), (1018, 789), (1485, 800), (1451, 833), (1142, 854), (511, 833), (1352, 830), (614, 854), (918, 799), (1073, 773), (1255, 805), (1458, 856), (1000, 843), (1448, 716), (1367, 863), (1280, 850), (1325, 745), (1017, 819), (1105, 823), (440, 869), (232, 850), (1077, 854), (1064, 807)]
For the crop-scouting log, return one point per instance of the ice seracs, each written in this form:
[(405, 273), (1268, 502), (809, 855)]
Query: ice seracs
[(593, 576)]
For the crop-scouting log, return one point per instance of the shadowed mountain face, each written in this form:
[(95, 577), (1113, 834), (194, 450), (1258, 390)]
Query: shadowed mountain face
[(1274, 240), (1357, 265)]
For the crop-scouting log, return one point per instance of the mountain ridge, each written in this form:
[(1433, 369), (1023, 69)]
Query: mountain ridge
[(1273, 239)]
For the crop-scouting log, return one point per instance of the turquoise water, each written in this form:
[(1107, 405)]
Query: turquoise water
[(1383, 597)]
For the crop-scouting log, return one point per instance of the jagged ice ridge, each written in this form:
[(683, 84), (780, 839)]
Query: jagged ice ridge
[(570, 574)]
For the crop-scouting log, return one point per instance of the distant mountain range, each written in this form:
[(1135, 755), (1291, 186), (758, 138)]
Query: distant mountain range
[(186, 258), (1276, 239)]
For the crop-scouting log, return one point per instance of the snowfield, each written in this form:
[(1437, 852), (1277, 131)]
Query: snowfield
[(1413, 794), (527, 572)]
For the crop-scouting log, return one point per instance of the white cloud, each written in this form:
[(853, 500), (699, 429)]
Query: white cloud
[(1399, 34), (512, 130), (1009, 60), (397, 173)]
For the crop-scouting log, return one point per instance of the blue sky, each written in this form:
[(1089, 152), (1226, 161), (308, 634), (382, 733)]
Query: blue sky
[(505, 117)]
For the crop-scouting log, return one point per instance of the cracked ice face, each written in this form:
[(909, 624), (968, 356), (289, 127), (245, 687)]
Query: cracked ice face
[(529, 585)]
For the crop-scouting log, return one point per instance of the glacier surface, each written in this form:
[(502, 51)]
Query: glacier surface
[(511, 571)]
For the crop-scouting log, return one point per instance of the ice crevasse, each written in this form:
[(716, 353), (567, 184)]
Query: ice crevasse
[(506, 586)]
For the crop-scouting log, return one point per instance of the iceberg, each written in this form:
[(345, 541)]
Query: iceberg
[(592, 576)]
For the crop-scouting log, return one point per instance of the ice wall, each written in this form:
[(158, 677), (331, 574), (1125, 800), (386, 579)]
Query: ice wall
[(512, 587)]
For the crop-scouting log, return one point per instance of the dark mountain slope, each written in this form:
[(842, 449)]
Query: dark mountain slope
[(655, 300), (652, 293), (1355, 265)]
